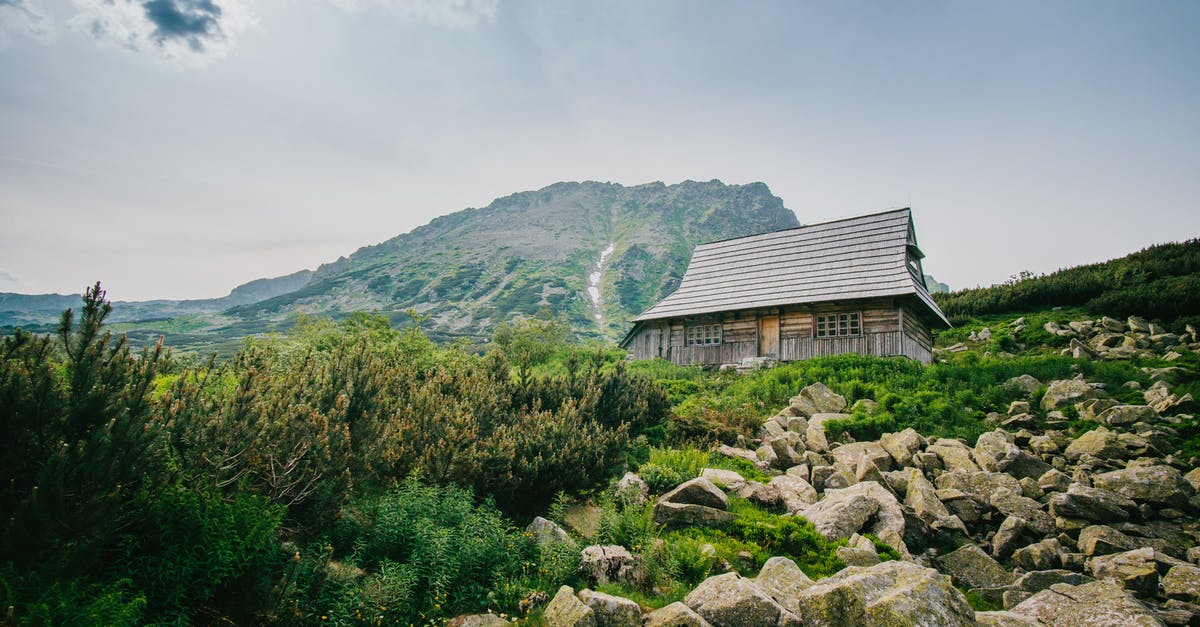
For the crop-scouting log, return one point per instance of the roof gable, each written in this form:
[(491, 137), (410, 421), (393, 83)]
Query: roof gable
[(861, 257)]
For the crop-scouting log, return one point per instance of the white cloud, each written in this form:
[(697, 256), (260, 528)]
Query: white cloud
[(19, 18), (454, 13), (185, 32), (8, 277)]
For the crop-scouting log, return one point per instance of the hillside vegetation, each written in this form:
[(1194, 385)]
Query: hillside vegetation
[(1160, 282)]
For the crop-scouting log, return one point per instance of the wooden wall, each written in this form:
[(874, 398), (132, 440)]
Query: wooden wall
[(889, 327)]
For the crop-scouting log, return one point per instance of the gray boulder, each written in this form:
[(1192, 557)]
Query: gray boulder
[(731, 600), (687, 515), (851, 454), (612, 611), (783, 581), (1135, 570), (1099, 443), (969, 567), (1025, 383), (547, 532), (1044, 555), (1095, 604), (1121, 415), (979, 485), (1004, 619), (632, 487), (845, 512), (796, 493), (954, 455), (1160, 485), (478, 620), (607, 564), (1103, 540), (817, 399), (566, 610), (675, 615), (1182, 582), (1084, 503), (1067, 392), (698, 491), (728, 479), (814, 436), (890, 593), (902, 446)]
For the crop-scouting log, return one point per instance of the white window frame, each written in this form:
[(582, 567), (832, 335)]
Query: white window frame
[(702, 335), (837, 324)]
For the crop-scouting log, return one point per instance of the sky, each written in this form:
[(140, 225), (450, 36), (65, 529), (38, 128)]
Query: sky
[(178, 148)]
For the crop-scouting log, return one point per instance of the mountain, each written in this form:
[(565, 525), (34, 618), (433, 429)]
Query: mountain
[(41, 309), (473, 269), (468, 271), (934, 286)]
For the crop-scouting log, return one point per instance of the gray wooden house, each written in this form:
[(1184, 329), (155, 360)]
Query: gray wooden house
[(847, 286)]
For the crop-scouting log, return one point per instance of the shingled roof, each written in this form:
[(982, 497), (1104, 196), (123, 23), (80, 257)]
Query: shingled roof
[(861, 257)]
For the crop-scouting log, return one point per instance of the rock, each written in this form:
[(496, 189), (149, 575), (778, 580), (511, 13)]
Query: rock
[(1003, 619), (979, 485), (1084, 503), (764, 496), (922, 497), (963, 505), (783, 581), (1043, 555), (731, 600), (969, 567), (851, 556), (844, 512), (1120, 415), (1111, 325), (864, 405), (1025, 382), (954, 455), (738, 453), (728, 479), (1011, 503), (607, 564), (996, 452), (675, 615), (633, 487), (1103, 540), (817, 399), (698, 491), (796, 493), (546, 532), (686, 515), (903, 446), (786, 455), (1054, 480), (1138, 324), (1099, 443), (985, 334), (478, 620), (1095, 604), (1193, 477), (1160, 484), (1038, 580), (1016, 408), (1182, 582), (1008, 537), (566, 610), (612, 611), (850, 454), (890, 593), (1134, 570), (814, 437), (1066, 392)]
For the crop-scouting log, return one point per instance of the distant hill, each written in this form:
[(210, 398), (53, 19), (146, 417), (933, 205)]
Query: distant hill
[(934, 286), (471, 270), (1160, 282)]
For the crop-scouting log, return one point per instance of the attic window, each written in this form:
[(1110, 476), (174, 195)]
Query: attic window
[(839, 325), (703, 335)]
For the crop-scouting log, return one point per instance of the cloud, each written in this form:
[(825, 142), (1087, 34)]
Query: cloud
[(8, 277), (454, 13), (187, 32), (20, 18)]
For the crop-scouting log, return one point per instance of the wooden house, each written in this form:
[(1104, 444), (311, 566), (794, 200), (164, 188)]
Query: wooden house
[(847, 286)]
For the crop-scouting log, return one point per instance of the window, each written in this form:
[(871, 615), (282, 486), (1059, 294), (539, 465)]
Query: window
[(839, 325), (702, 335)]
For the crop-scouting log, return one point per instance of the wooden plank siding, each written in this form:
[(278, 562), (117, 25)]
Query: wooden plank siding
[(889, 328)]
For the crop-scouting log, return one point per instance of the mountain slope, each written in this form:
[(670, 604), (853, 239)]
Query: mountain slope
[(473, 269)]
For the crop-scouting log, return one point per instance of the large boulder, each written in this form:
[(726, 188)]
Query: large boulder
[(566, 610), (817, 399), (1004, 619), (633, 488), (969, 567), (612, 611), (902, 446), (922, 497), (955, 455), (1067, 392), (607, 564), (1135, 570), (675, 615), (979, 485), (1095, 604), (1099, 443), (796, 493), (1011, 503), (1103, 540), (1182, 582), (890, 593), (1080, 502), (783, 581), (814, 436), (687, 515), (547, 532), (478, 620), (731, 600), (1158, 485), (1044, 555), (851, 454), (995, 451), (845, 512), (698, 491), (1120, 415), (728, 479), (1026, 383)]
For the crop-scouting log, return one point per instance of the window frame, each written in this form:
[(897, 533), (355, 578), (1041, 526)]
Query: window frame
[(837, 324), (709, 334)]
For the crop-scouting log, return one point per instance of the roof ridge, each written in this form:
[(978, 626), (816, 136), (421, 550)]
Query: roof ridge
[(809, 226)]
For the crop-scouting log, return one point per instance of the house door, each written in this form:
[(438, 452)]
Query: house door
[(768, 336)]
